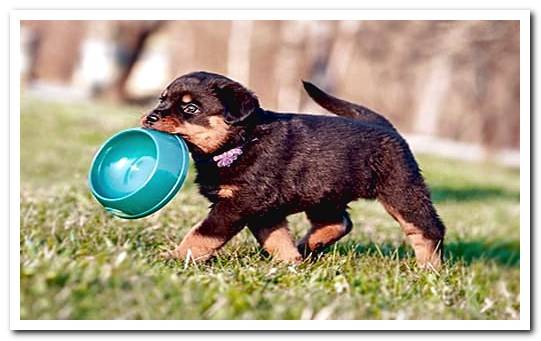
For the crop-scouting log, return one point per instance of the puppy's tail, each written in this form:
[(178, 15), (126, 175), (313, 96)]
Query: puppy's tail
[(344, 108)]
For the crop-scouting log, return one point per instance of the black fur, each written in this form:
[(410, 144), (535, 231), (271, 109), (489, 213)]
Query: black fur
[(304, 163)]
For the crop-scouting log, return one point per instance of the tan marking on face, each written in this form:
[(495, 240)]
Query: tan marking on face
[(227, 191), (164, 93), (426, 250), (278, 242), (187, 98), (208, 139), (324, 234), (197, 246)]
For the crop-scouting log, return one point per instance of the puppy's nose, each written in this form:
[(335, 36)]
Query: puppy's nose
[(152, 118)]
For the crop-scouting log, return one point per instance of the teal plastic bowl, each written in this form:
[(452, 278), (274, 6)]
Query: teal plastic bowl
[(138, 171)]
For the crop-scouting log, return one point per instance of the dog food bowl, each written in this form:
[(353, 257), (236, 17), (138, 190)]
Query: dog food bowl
[(138, 171)]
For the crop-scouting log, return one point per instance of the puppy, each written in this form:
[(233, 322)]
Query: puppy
[(257, 167)]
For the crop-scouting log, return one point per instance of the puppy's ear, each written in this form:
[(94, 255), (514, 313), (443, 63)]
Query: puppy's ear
[(238, 102)]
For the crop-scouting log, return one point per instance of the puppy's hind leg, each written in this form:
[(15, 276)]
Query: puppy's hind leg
[(328, 226), (413, 210)]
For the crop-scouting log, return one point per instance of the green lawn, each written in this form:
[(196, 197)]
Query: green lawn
[(79, 263)]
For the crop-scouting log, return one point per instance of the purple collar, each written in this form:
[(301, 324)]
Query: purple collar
[(228, 157)]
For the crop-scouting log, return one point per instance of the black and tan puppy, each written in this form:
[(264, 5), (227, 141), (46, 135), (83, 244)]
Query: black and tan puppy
[(257, 167)]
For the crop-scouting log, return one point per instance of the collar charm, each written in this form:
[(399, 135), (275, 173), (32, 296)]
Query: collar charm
[(227, 158)]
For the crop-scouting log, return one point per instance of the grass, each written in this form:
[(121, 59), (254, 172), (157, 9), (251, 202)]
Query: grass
[(79, 263)]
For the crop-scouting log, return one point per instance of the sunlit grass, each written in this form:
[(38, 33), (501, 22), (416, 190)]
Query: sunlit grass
[(79, 263)]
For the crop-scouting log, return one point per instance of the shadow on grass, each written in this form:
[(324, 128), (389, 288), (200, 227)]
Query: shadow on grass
[(447, 193), (501, 252)]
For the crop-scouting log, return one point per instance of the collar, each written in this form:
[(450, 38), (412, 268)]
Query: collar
[(226, 158)]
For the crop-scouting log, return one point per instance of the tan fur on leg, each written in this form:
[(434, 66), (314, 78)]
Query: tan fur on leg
[(323, 234), (277, 241), (198, 246), (426, 250)]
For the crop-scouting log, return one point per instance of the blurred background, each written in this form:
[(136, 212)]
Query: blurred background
[(451, 86)]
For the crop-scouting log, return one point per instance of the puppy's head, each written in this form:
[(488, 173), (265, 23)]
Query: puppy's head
[(204, 108)]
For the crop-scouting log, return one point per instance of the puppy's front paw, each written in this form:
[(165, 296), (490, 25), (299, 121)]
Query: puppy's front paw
[(176, 254), (189, 254), (294, 260), (289, 258), (167, 255)]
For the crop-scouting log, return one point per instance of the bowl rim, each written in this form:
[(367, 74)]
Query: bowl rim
[(100, 150)]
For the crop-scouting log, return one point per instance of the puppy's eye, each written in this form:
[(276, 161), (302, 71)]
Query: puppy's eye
[(191, 109)]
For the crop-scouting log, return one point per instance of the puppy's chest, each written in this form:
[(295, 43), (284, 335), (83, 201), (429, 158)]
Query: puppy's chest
[(217, 184), (242, 177)]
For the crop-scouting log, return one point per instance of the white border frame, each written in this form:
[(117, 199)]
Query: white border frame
[(522, 15)]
